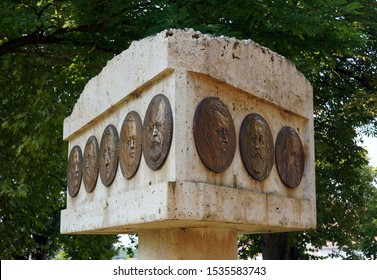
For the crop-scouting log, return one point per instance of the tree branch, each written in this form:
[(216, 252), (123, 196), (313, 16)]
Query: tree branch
[(38, 38)]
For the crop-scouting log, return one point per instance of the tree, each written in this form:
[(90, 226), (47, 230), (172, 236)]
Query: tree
[(41, 80), (49, 49), (368, 242)]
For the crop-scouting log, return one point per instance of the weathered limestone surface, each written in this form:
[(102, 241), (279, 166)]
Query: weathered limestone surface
[(188, 244), (188, 66)]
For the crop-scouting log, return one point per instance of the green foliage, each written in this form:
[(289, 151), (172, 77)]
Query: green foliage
[(39, 86), (248, 246), (49, 50), (368, 229), (130, 251), (90, 247)]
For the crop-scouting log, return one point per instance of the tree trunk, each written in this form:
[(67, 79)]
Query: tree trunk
[(40, 252), (275, 246)]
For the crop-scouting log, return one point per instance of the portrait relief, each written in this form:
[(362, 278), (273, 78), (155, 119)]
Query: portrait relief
[(91, 163), (108, 162), (74, 171), (130, 144), (214, 134), (290, 158), (256, 146), (157, 131)]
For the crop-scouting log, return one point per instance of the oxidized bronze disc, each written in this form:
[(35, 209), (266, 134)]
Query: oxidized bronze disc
[(290, 157), (74, 173), (214, 134), (91, 163), (130, 144), (157, 131), (108, 161), (257, 146)]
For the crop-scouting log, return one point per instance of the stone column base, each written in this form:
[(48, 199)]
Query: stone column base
[(188, 244)]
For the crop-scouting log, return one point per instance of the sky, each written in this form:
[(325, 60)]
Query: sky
[(370, 144)]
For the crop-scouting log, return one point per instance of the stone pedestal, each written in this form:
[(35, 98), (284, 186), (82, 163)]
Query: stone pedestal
[(178, 201), (188, 244)]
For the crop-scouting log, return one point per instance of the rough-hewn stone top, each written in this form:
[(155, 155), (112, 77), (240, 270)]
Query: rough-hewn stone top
[(236, 62)]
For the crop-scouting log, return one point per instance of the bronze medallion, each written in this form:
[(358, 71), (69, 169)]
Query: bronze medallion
[(214, 134), (108, 161), (256, 146), (74, 173), (157, 131), (130, 144), (91, 163), (290, 157)]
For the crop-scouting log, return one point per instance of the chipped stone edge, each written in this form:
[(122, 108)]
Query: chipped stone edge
[(111, 94)]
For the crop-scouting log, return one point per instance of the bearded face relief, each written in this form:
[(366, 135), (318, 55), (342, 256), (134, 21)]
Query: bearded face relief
[(108, 163), (130, 144), (256, 145), (91, 163), (290, 158), (74, 171), (158, 128), (214, 134)]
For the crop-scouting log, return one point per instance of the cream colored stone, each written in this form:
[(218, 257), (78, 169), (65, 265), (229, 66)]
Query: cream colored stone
[(187, 204), (188, 66), (188, 244)]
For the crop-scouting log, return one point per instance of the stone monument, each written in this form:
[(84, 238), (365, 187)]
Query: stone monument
[(195, 139)]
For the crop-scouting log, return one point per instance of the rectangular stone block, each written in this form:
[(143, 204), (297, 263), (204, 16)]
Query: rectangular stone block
[(174, 187)]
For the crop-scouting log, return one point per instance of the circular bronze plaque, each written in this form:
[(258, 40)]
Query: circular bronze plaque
[(290, 157), (74, 173), (91, 163), (257, 146), (108, 161), (157, 131), (214, 134), (130, 144)]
